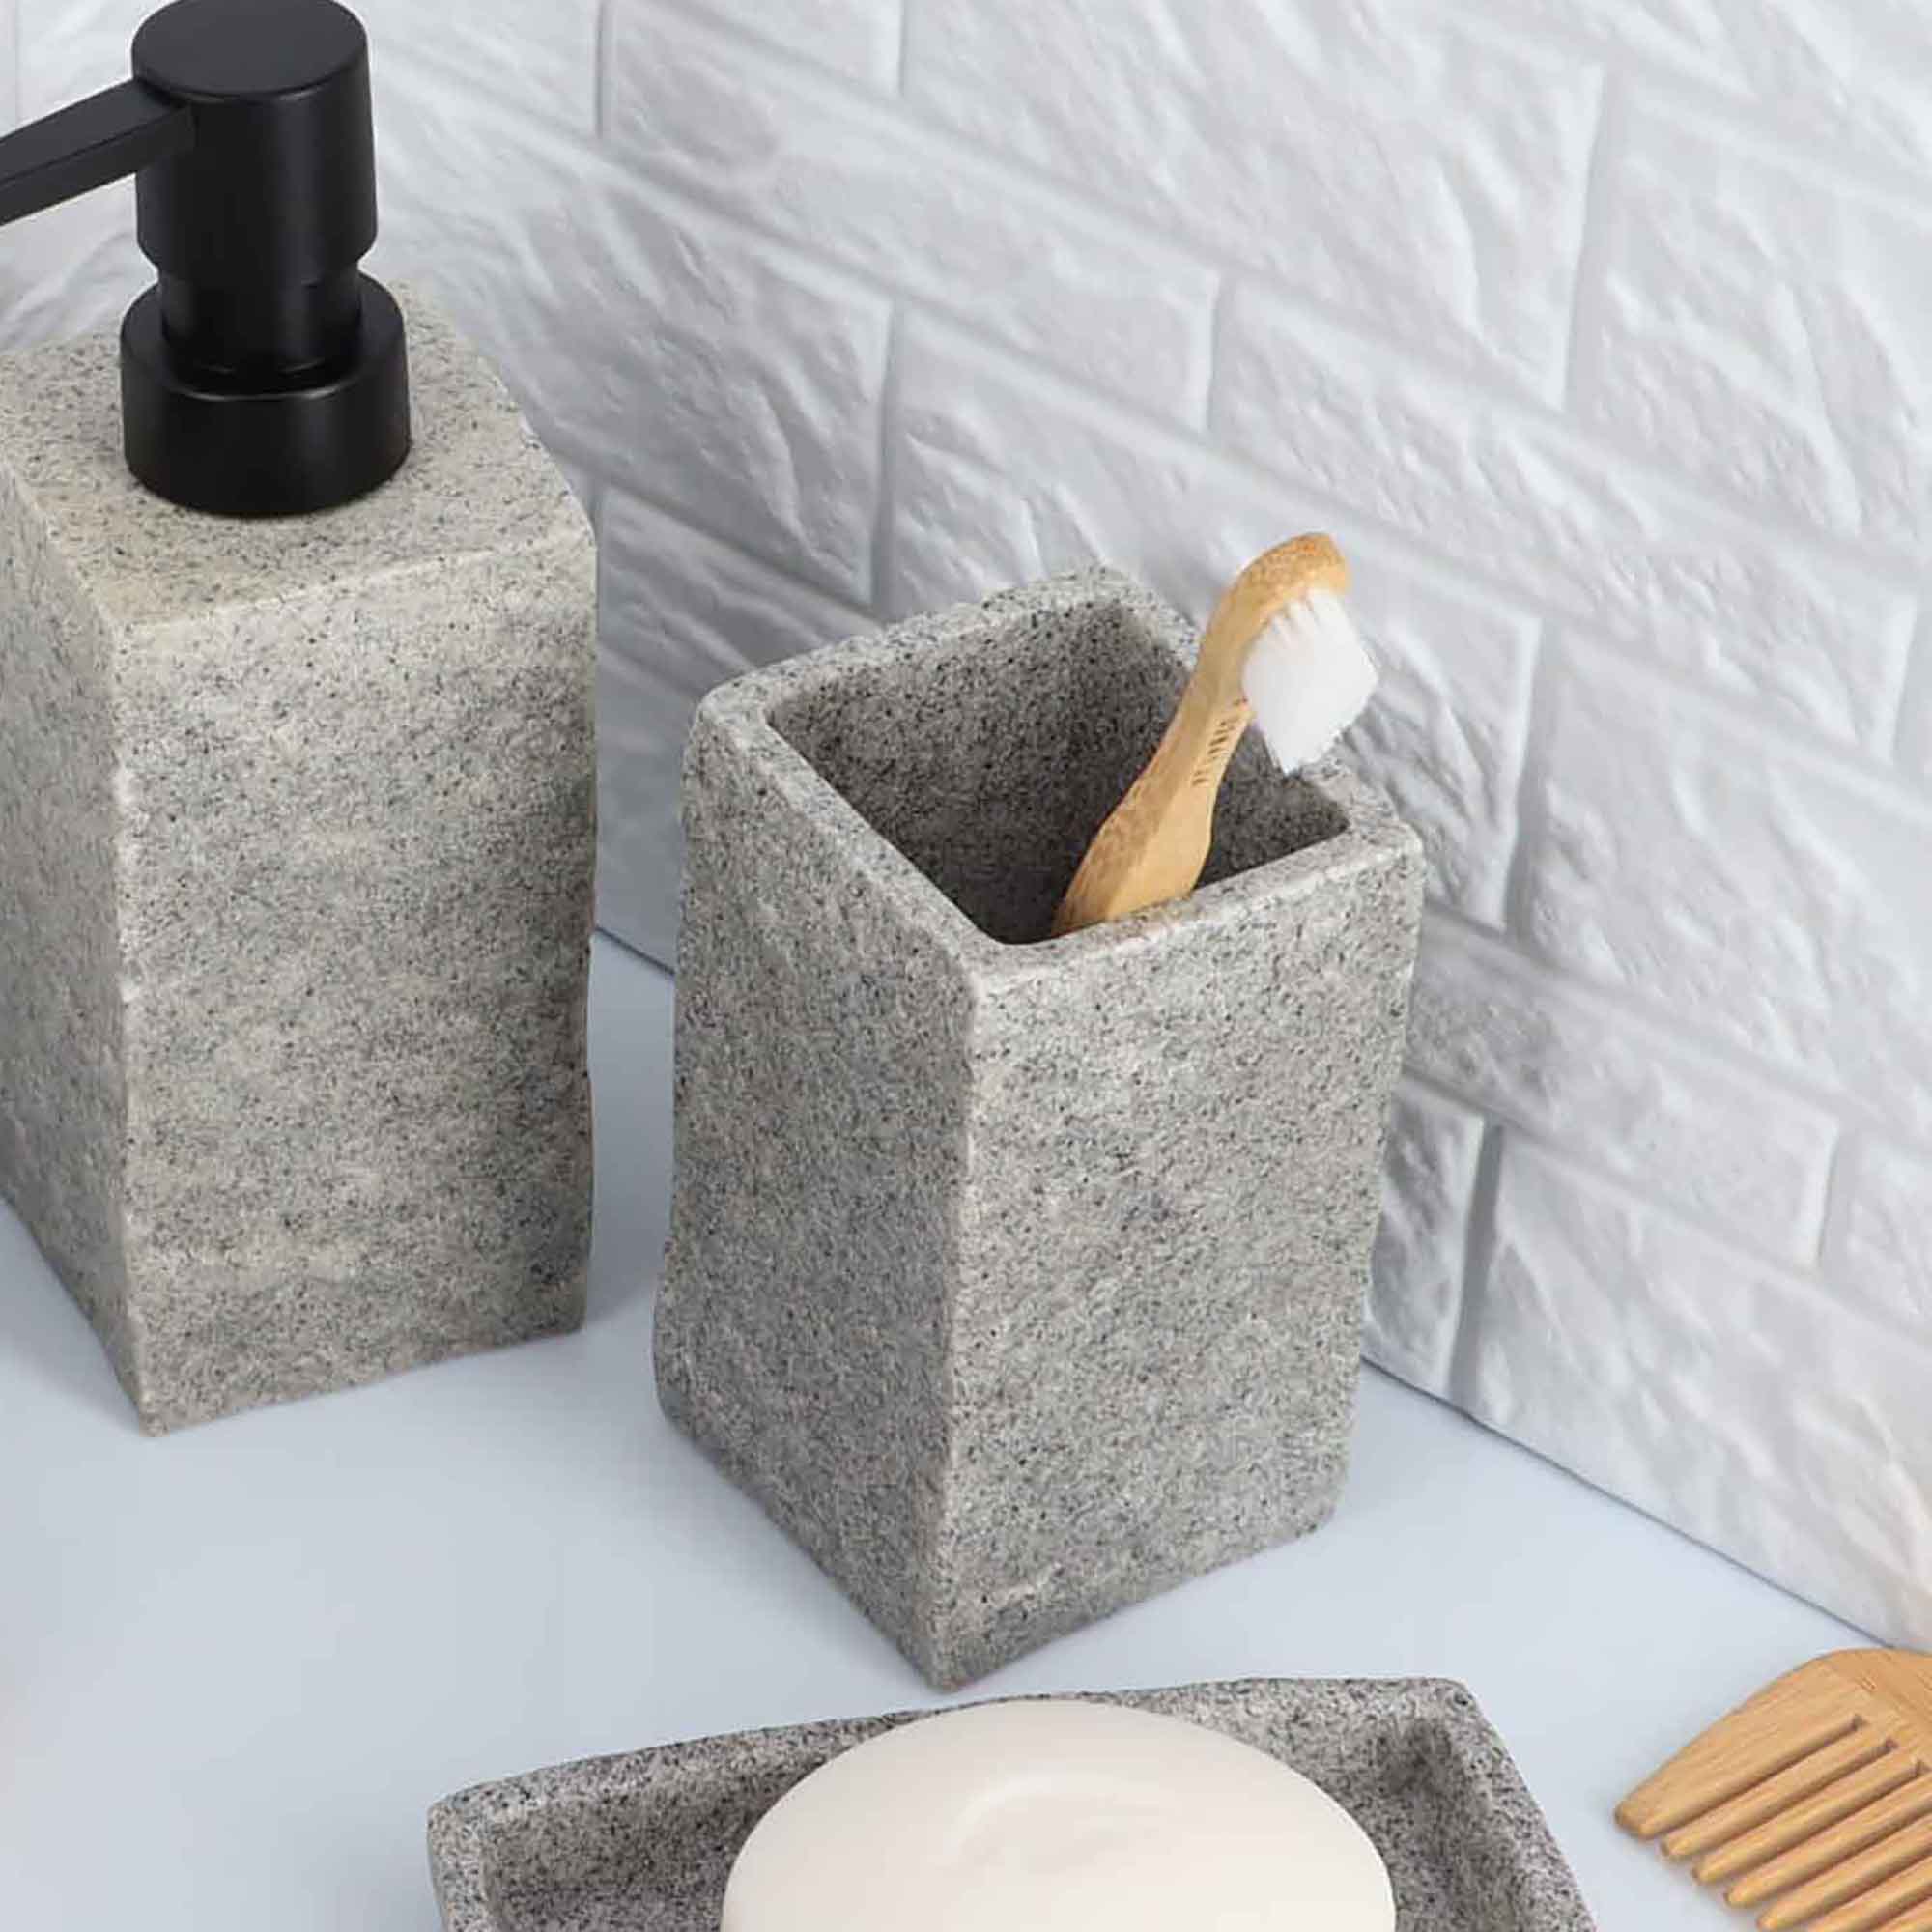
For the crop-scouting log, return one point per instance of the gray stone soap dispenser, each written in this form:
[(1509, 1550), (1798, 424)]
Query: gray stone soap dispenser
[(296, 765)]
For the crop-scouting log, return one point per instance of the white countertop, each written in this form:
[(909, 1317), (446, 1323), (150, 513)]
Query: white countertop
[(238, 1665)]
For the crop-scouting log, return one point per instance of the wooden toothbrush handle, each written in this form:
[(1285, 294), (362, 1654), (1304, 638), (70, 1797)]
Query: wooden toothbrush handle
[(1155, 841)]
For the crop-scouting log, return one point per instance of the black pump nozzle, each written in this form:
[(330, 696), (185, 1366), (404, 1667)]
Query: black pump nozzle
[(89, 144), (265, 373)]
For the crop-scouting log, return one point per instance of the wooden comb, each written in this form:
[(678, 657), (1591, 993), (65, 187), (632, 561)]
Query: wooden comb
[(1814, 1800)]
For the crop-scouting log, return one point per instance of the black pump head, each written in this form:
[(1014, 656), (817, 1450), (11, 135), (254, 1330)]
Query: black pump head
[(265, 373)]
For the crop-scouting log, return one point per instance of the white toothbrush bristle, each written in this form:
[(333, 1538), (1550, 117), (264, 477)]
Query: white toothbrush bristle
[(1308, 678)]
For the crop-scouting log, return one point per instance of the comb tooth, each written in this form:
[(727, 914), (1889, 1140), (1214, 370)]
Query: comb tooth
[(1854, 1878), (1809, 1775), (1918, 1920), (1795, 1717), (1809, 1856), (1899, 1895)]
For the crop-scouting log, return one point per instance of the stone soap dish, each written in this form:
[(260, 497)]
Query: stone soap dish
[(644, 1843)]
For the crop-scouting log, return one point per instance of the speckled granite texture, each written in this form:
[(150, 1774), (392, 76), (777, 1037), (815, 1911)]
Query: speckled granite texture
[(296, 855), (644, 1843), (1020, 1280)]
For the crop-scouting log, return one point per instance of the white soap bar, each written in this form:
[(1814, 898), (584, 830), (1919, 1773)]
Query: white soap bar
[(1078, 1817)]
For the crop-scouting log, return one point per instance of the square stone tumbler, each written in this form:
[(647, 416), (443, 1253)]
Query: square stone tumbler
[(297, 829), (1018, 1278)]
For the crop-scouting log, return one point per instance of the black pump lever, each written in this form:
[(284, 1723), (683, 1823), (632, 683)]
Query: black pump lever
[(85, 146)]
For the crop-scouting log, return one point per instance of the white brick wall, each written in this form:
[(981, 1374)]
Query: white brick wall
[(1599, 330)]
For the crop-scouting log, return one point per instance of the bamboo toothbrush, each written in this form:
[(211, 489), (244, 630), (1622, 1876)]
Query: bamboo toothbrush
[(1813, 1800), (1279, 647)]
